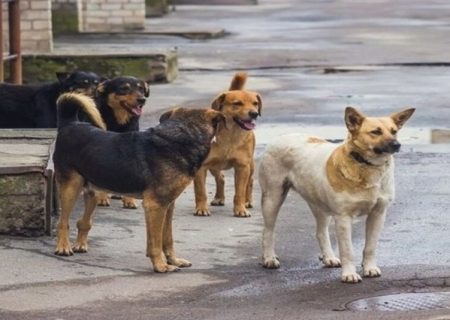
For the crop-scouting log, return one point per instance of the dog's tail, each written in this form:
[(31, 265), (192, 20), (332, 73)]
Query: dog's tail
[(68, 106), (238, 81)]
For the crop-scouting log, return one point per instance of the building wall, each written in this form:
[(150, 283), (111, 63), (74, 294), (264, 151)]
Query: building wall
[(36, 26), (111, 15)]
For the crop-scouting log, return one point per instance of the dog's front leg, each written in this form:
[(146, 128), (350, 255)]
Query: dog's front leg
[(155, 215), (201, 207), (241, 178), (344, 237), (374, 225), (168, 249)]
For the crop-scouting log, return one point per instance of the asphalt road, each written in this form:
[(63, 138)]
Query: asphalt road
[(309, 60)]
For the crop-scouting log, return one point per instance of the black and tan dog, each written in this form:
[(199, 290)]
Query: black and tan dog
[(120, 101), (155, 165), (234, 148), (34, 106)]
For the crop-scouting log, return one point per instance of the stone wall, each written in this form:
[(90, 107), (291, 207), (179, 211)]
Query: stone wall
[(111, 15), (36, 27)]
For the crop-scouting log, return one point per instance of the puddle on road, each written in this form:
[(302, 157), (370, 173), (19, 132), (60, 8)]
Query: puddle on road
[(269, 132)]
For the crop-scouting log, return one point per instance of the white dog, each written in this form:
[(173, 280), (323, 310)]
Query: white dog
[(341, 181)]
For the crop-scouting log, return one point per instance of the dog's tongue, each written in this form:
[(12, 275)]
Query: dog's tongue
[(137, 111), (250, 125)]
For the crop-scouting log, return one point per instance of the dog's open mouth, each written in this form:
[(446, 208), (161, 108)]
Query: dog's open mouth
[(245, 124), (134, 110)]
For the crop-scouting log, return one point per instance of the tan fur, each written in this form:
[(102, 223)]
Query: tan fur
[(234, 148), (316, 140), (337, 181), (115, 102), (88, 106)]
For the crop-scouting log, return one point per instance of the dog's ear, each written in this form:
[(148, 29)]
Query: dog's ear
[(353, 119), (146, 88), (258, 97), (216, 118), (217, 103), (100, 88), (62, 76), (165, 116), (401, 117)]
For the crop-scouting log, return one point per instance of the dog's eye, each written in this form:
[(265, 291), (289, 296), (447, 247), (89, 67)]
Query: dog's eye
[(377, 132), (393, 131), (255, 103), (237, 103)]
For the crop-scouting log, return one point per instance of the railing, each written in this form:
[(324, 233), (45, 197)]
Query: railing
[(14, 57)]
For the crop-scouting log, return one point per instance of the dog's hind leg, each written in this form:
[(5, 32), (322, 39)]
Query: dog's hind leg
[(69, 190), (241, 177), (249, 191), (374, 224), (327, 255), (274, 189), (84, 224), (168, 248), (219, 197)]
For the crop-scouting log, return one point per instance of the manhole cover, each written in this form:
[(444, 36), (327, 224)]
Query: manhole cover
[(403, 302)]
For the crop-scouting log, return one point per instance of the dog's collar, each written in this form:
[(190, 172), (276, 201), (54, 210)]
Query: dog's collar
[(359, 158)]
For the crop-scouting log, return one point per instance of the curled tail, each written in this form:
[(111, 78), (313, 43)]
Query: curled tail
[(238, 81), (68, 105)]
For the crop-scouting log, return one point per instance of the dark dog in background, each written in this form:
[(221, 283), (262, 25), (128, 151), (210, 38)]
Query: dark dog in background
[(120, 101), (34, 106), (155, 165)]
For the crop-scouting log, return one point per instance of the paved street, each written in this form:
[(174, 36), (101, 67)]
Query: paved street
[(309, 60)]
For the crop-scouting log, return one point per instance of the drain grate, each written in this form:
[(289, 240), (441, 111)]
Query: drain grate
[(403, 302)]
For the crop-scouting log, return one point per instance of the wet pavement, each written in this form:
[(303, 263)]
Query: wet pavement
[(308, 60)]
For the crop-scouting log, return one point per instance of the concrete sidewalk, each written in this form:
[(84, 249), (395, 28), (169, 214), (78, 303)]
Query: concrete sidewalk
[(308, 60)]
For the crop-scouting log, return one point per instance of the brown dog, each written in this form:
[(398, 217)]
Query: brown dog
[(155, 165), (234, 148)]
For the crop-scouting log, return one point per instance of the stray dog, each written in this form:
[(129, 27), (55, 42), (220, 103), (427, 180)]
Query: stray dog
[(341, 181), (234, 148), (120, 101), (34, 106), (155, 165)]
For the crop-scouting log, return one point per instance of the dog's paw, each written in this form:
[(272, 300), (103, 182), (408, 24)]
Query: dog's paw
[(271, 262), (79, 247), (63, 249), (165, 268), (218, 202), (179, 262), (202, 212), (351, 277), (248, 205), (371, 272), (103, 202), (330, 262), (129, 203), (242, 213)]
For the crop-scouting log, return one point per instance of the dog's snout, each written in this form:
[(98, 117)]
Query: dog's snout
[(140, 100), (253, 114), (394, 146)]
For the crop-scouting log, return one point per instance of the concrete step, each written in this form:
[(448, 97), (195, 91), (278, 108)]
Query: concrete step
[(26, 182)]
